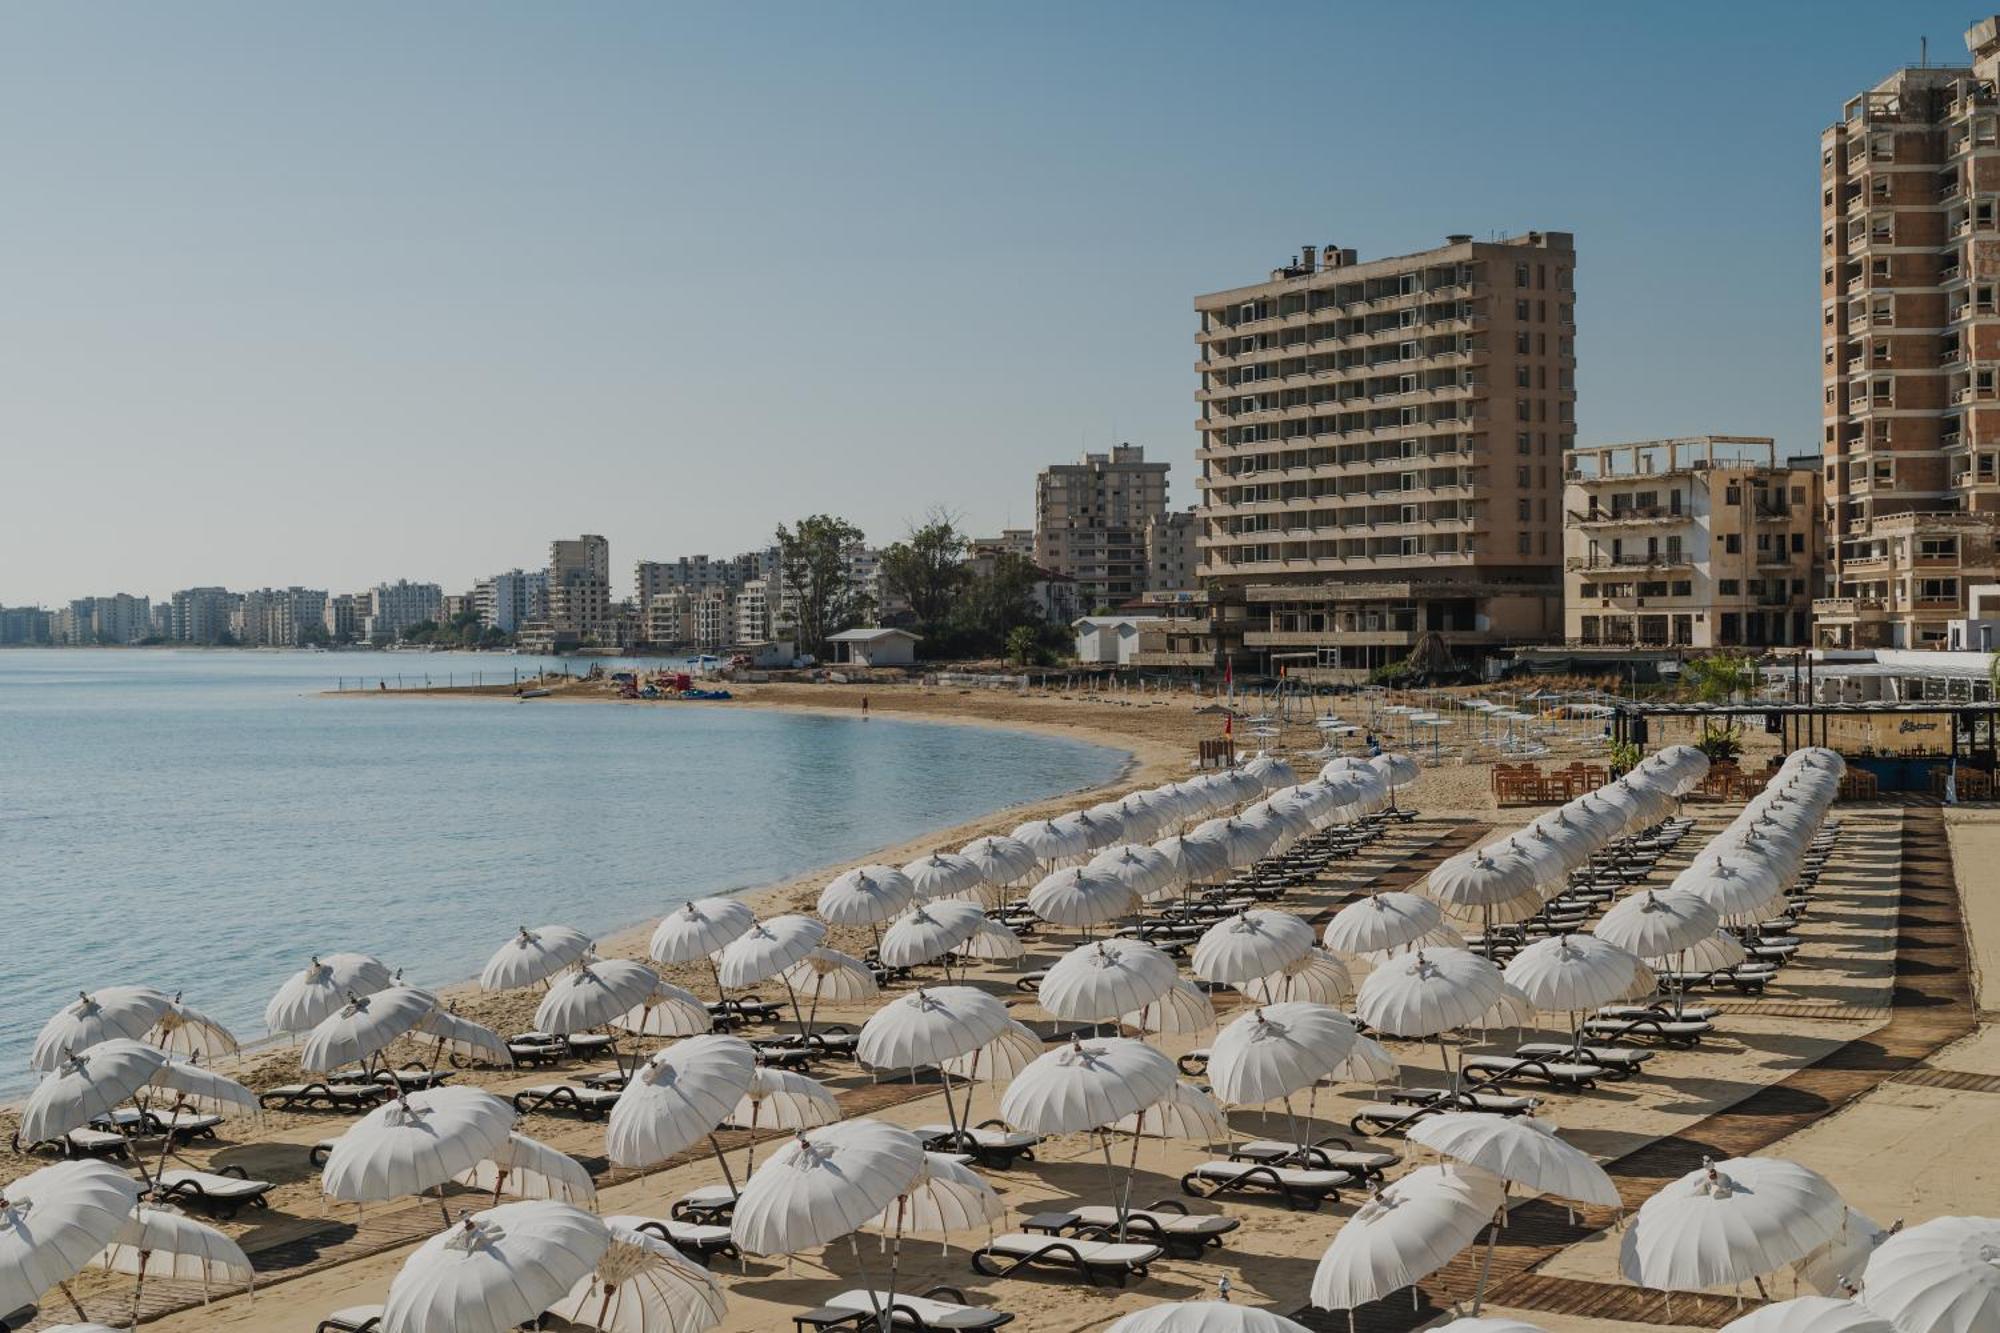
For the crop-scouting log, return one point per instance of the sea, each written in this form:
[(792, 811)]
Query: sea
[(206, 820)]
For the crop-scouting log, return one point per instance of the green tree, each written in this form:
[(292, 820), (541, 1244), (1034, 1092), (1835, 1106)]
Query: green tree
[(812, 562), (1718, 679), (927, 569), (1024, 645), (994, 606)]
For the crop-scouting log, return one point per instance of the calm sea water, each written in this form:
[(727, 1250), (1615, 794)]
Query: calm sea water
[(205, 821)]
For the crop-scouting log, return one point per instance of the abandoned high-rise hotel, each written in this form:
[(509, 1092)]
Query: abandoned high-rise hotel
[(1382, 454)]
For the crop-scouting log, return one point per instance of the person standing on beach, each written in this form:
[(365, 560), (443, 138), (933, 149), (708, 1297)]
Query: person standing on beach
[(864, 708)]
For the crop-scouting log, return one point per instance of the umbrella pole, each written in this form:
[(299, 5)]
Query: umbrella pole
[(139, 1286), (789, 990), (721, 996), (1486, 1259), (499, 1180), (441, 1206), (728, 1179), (1131, 1170), (812, 1015), (750, 1164), (74, 1303), (895, 1261), (167, 1137), (874, 1299)]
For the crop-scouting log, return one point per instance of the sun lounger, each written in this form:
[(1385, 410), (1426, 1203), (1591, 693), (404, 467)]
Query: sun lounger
[(1626, 1058), (1165, 1222), (613, 1079), (991, 1141), (1195, 1063), (323, 1096), (1030, 982), (590, 1103), (20, 1318), (1748, 978), (939, 1310), (223, 1193), (778, 1055), (748, 1009), (699, 1241), (184, 1125), (1675, 1032), (354, 1319), (706, 1205), (1494, 1071), (534, 1054), (1329, 1154), (319, 1152), (1302, 1188), (94, 1143), (1094, 1261), (1408, 1107), (1657, 1011)]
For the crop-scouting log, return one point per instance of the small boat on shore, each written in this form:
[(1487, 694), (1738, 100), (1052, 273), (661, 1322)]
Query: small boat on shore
[(526, 695)]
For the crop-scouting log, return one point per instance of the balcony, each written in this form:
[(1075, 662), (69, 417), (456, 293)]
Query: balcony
[(1597, 518), (1608, 563), (1848, 608)]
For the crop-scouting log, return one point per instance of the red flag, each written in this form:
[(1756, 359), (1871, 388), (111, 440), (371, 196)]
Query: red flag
[(1228, 724)]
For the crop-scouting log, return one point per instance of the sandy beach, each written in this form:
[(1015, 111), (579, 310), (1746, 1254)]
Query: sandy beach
[(1882, 1138)]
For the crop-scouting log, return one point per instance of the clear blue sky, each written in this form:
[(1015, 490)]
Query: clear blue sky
[(337, 293)]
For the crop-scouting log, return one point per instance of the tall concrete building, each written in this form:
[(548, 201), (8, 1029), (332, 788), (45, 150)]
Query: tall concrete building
[(579, 590), (1910, 329), (21, 626), (1702, 543), (1091, 518), (347, 616), (280, 617), (1381, 452), (117, 619), (204, 615), (507, 601), (394, 607), (1173, 560)]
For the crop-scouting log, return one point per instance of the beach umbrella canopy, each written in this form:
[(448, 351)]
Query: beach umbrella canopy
[(495, 1269), (364, 1027), (866, 896), (1414, 1226), (1204, 1317), (165, 1244), (95, 1016), (993, 942), (1939, 1276), (1511, 1010), (1658, 922), (187, 1032), (1276, 1050), (593, 993), (1566, 973), (533, 955), (1100, 828), (1812, 1314), (699, 929), (823, 1184), (930, 1025), (464, 1038), (1428, 993), (669, 1011), (1482, 877), (1051, 842), (1387, 920), (781, 1099), (1368, 1062), (1183, 1009), (1253, 943), (1001, 860), (1000, 1059), (97, 1081), (416, 1143), (1147, 872), (642, 1284), (1316, 976), (1488, 1324), (678, 1096), (321, 987), (1729, 1221), (1141, 816), (1185, 1112), (929, 931), (524, 1168), (1241, 841), (1738, 887), (1081, 896), (768, 948), (1520, 1149), (832, 977), (944, 875), (1711, 953), (1398, 770), (943, 1197), (1194, 861), (54, 1221), (1086, 1084), (1100, 981), (1830, 1269)]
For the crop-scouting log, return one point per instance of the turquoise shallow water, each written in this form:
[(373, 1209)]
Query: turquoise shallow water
[(204, 821)]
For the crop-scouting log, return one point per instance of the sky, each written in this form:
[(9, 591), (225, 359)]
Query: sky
[(334, 294)]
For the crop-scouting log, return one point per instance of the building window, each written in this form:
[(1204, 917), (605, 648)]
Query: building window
[(1726, 587), (1521, 442), (1524, 510), (1523, 545), (1521, 311), (1683, 587), (1520, 275), (1798, 543)]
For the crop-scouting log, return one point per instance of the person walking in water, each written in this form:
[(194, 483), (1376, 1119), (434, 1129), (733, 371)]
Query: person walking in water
[(864, 708)]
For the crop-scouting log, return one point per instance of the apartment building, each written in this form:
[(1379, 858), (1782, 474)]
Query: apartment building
[(1091, 519), (757, 608), (1010, 541), (280, 617), (1700, 543), (203, 615), (1910, 333), (712, 620), (117, 619), (394, 607), (508, 601), (1381, 452), (1173, 560), (21, 626), (579, 590), (347, 616)]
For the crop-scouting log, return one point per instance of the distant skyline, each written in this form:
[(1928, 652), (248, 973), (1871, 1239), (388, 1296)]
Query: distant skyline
[(337, 295)]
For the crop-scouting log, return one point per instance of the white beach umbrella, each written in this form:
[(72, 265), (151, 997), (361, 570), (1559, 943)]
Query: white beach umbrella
[(945, 875), (1940, 1276), (322, 987), (1141, 815), (1740, 888), (415, 1144), (1183, 1009), (1081, 896), (167, 1245), (1001, 860), (768, 948), (678, 1097), (930, 1025), (186, 1031), (832, 976), (1518, 1149), (495, 1269), (1316, 976), (993, 942), (97, 1081), (1242, 842), (1398, 770), (1489, 884), (1253, 943), (1834, 1266), (944, 1196), (1655, 923), (1148, 872), (1428, 993), (1712, 953), (1096, 982), (533, 955), (95, 1016), (1489, 1324), (1812, 1314), (699, 929), (1099, 828), (1414, 1226), (781, 1099), (1194, 861), (823, 1184), (464, 1038), (929, 931), (1387, 920), (1085, 1085), (524, 1168), (1204, 1317), (1276, 1050), (999, 1060), (364, 1027), (642, 1284), (1185, 1112), (53, 1222), (669, 1011), (593, 994), (1511, 1010), (1569, 973), (1052, 843), (866, 896), (1728, 1221), (1369, 1062)]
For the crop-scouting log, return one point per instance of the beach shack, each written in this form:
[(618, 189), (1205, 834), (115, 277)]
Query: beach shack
[(875, 647), (1111, 640)]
